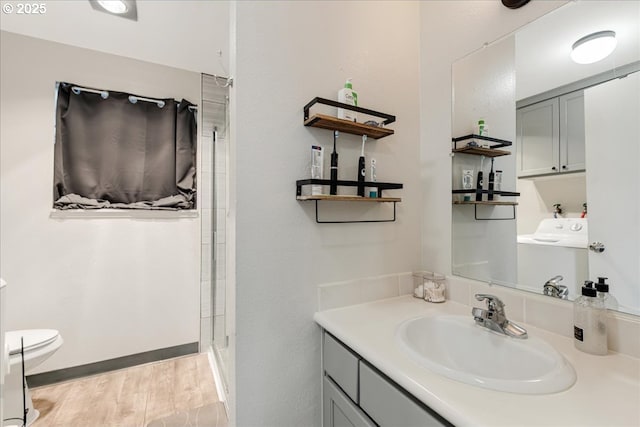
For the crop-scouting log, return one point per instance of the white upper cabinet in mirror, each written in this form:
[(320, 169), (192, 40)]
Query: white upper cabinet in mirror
[(575, 138)]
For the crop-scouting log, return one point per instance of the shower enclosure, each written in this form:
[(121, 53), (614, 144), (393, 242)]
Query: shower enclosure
[(213, 202)]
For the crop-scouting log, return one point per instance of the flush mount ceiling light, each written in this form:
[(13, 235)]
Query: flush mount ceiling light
[(514, 4), (124, 8), (114, 6), (593, 47)]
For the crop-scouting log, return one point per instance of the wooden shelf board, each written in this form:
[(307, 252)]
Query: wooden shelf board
[(345, 198), (346, 126), (486, 202), (479, 151)]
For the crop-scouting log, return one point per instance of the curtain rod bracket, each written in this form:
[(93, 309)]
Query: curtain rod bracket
[(228, 81), (77, 89), (133, 99)]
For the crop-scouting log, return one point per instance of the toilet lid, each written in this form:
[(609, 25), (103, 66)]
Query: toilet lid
[(33, 338)]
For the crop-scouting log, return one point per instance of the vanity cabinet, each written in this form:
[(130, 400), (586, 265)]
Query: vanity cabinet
[(355, 393), (550, 136)]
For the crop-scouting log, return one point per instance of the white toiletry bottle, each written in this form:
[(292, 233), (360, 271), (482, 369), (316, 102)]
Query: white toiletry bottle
[(347, 95), (317, 168), (482, 128), (498, 184), (373, 191), (610, 302), (467, 179), (590, 322)]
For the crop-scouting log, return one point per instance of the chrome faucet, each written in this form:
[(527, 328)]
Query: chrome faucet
[(557, 210), (553, 289), (493, 317)]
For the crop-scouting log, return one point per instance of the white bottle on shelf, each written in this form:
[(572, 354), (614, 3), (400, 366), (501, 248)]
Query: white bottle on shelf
[(483, 129), (317, 168), (347, 95)]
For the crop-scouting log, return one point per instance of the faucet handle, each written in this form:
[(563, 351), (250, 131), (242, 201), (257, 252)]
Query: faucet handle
[(493, 302), (554, 280)]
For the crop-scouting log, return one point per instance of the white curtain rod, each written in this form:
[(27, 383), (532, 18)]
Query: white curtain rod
[(132, 98)]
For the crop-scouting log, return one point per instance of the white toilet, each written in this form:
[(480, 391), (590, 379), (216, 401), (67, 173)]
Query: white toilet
[(39, 345)]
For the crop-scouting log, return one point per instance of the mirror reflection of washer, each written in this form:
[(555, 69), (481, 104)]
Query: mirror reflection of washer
[(559, 244)]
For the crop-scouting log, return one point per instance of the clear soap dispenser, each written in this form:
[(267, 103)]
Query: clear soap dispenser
[(590, 321)]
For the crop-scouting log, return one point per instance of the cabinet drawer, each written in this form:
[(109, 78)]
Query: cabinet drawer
[(339, 411), (341, 365), (388, 406)]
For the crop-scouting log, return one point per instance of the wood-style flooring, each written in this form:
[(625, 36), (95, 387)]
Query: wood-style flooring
[(130, 397)]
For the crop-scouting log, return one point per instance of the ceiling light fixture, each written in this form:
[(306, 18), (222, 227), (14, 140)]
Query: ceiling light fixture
[(593, 47), (114, 6), (122, 8), (514, 4)]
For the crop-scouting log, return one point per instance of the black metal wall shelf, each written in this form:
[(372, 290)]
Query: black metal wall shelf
[(345, 183), (485, 202), (380, 186), (500, 193), (333, 123), (477, 203), (489, 203), (492, 151), (477, 150), (481, 151), (494, 142)]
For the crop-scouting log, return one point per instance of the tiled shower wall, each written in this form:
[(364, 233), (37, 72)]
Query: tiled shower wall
[(212, 187)]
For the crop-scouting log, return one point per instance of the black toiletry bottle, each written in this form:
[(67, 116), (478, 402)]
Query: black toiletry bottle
[(333, 187), (491, 182)]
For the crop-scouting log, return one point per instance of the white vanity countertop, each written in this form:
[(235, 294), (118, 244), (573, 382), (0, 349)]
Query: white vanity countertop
[(606, 393)]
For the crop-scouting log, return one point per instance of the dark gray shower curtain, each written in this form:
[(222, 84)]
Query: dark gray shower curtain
[(111, 153)]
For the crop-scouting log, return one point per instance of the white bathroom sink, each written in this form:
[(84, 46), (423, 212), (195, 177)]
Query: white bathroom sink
[(454, 346)]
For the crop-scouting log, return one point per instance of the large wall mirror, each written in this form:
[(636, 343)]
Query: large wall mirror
[(575, 134)]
